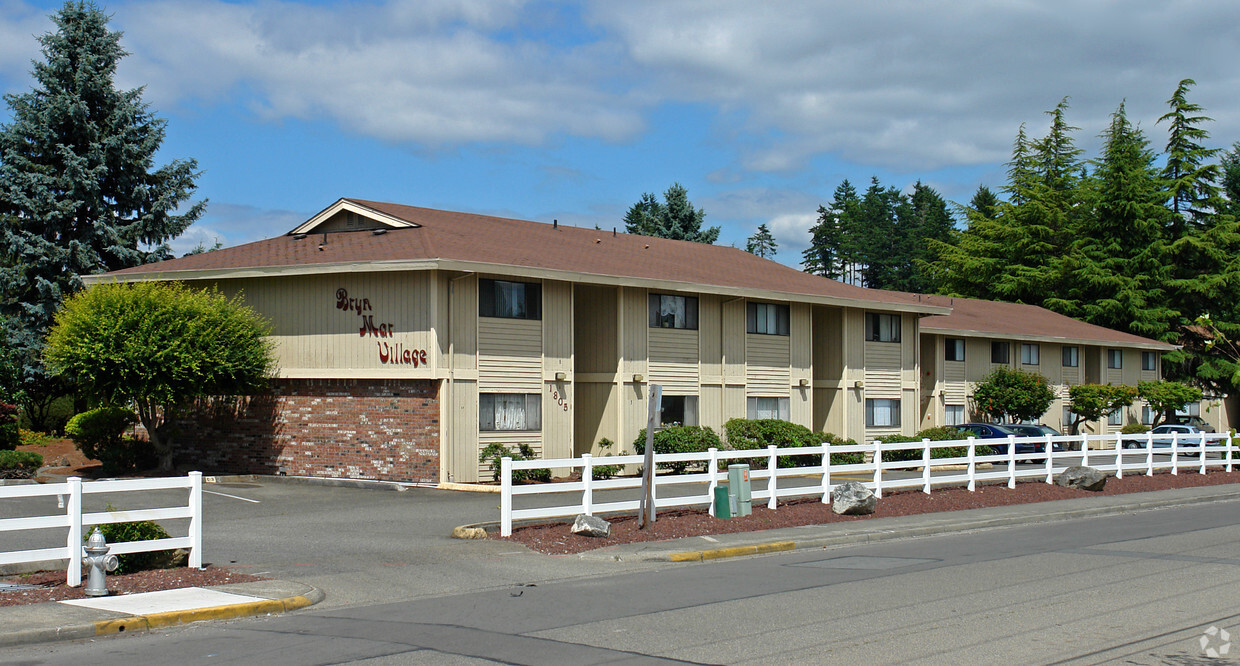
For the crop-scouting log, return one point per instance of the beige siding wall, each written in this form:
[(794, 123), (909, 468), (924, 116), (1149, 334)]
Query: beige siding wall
[(769, 368), (801, 361), (674, 360), (351, 325), (510, 355), (459, 431)]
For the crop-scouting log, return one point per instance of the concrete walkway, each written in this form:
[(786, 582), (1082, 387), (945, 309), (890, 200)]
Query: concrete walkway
[(45, 622)]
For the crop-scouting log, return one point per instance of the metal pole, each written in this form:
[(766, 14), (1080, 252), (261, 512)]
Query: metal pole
[(646, 516)]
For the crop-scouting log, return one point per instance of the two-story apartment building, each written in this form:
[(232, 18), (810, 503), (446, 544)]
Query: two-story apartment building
[(408, 339)]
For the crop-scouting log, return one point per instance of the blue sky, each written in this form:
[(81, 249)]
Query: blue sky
[(570, 111)]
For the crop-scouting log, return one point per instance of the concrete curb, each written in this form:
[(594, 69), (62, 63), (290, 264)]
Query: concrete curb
[(144, 623), (878, 534)]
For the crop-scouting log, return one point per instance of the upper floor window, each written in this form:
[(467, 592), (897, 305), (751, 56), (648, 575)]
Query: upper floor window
[(509, 411), (1115, 358), (999, 352), (953, 349), (1071, 357), (882, 327), (1030, 354), (767, 318), (512, 300), (1149, 361), (670, 311)]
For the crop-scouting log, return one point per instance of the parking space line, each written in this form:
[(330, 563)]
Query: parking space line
[(243, 499)]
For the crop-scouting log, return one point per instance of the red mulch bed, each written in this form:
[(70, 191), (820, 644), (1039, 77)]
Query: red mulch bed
[(53, 586), (674, 524)]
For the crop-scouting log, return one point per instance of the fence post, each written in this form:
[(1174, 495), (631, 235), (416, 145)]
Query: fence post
[(195, 520), (925, 465), (1119, 455), (587, 483), (1201, 438), (771, 484), (1084, 450), (972, 463), (878, 468), (73, 577), (713, 469), (1050, 460), (826, 472), (1175, 450), (1228, 450), (1011, 461), (1149, 453), (505, 496)]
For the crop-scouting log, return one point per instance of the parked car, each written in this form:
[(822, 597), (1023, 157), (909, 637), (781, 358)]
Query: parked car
[(1195, 421), (1034, 430), (997, 431), (1187, 435)]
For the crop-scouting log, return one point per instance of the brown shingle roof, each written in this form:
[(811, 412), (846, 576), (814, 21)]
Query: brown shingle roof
[(445, 237), (998, 319)]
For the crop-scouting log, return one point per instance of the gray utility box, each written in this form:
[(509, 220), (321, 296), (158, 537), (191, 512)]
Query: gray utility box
[(739, 491)]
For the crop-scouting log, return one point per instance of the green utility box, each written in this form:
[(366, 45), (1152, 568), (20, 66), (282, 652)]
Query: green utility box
[(738, 486), (723, 501)]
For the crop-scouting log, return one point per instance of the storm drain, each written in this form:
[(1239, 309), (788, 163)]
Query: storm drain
[(866, 562)]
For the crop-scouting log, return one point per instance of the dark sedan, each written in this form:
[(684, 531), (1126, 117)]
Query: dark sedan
[(996, 431)]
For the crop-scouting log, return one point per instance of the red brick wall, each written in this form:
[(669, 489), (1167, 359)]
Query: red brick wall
[(337, 428)]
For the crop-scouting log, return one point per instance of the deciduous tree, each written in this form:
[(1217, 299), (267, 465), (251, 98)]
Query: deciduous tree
[(1164, 397), (1017, 395), (159, 346), (1091, 402)]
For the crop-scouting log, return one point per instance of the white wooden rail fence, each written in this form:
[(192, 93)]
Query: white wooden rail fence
[(73, 489), (1139, 453)]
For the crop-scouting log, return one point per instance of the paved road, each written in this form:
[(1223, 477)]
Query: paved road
[(1139, 588)]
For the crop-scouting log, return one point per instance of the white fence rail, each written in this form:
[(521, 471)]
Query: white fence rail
[(1139, 453), (73, 519)]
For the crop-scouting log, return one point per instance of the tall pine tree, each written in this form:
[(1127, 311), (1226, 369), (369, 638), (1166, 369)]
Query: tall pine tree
[(674, 217), (762, 243), (1192, 177), (79, 189)]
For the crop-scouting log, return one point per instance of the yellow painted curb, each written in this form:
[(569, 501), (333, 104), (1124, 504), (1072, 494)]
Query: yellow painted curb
[(138, 623), (735, 551)]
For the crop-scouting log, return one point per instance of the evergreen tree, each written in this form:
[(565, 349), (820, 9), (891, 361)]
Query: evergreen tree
[(1230, 180), (985, 203), (831, 253), (880, 241), (762, 243), (1116, 271), (79, 192), (1192, 178), (674, 217), (931, 222)]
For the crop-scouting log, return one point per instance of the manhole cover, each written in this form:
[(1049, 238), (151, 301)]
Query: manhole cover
[(13, 587), (866, 562)]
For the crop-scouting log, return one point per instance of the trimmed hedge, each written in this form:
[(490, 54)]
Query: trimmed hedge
[(99, 434), (495, 452), (678, 439), (939, 434), (19, 464)]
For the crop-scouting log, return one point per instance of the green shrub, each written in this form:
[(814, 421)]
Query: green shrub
[(938, 434), (605, 471), (10, 436), (678, 439), (34, 437), (495, 452), (748, 434), (1134, 428), (99, 434), (143, 530), (19, 464)]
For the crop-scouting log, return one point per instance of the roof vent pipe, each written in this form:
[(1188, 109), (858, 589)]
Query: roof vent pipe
[(555, 224), (613, 232)]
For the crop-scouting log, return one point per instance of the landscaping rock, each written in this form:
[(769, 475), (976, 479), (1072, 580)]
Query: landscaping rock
[(1084, 478), (464, 532), (591, 526), (853, 499)]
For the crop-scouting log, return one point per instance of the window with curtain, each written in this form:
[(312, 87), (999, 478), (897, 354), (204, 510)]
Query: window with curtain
[(882, 412), (953, 349), (1148, 361), (509, 300), (1030, 354), (767, 318), (1116, 417), (998, 352), (1071, 357), (768, 408), (882, 327), (1115, 358), (953, 414), (678, 410), (509, 412), (671, 311)]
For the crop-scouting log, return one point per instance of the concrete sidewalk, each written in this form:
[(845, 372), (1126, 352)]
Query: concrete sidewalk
[(137, 613)]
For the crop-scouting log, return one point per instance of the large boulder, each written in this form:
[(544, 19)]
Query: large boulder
[(591, 526), (853, 499), (1084, 478)]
